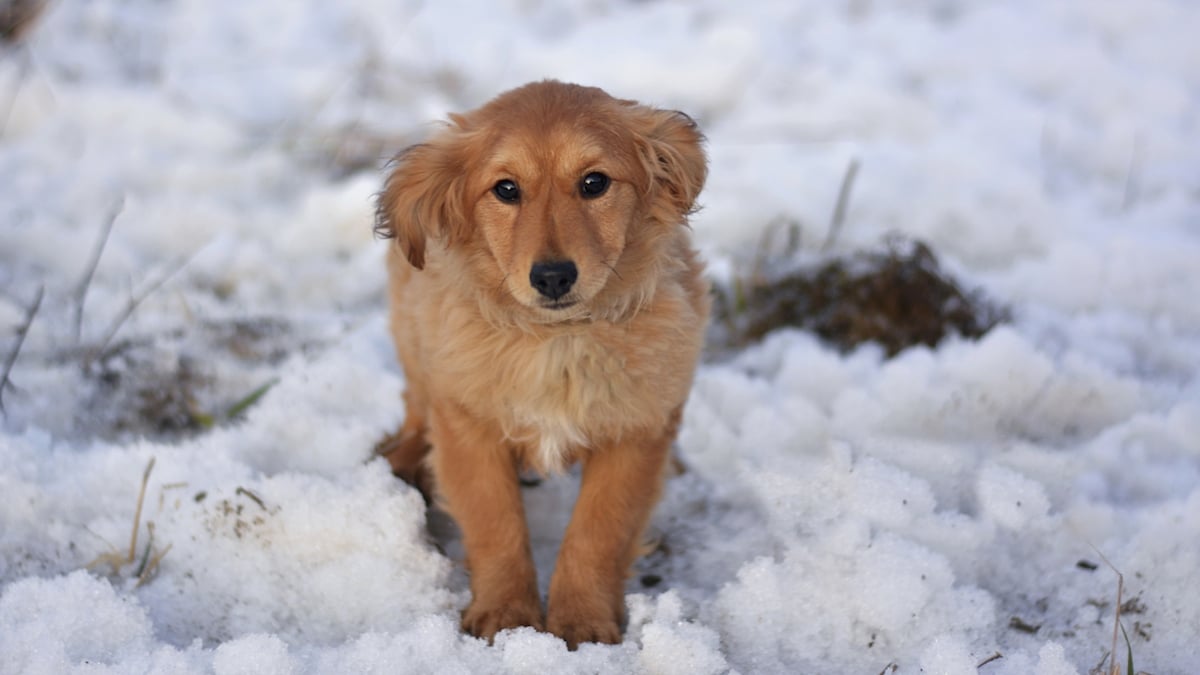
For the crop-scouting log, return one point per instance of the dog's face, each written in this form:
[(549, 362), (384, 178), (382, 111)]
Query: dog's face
[(550, 193)]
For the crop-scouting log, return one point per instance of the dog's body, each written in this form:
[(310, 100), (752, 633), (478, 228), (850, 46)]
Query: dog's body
[(547, 308)]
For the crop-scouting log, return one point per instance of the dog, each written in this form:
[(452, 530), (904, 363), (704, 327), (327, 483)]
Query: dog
[(547, 308)]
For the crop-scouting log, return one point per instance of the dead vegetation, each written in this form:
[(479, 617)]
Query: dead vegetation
[(164, 386), (232, 516), (22, 330), (896, 297), (17, 17), (132, 396), (164, 383), (115, 559), (1132, 606), (353, 148)]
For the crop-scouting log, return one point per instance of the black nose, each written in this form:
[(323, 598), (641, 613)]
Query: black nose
[(553, 279)]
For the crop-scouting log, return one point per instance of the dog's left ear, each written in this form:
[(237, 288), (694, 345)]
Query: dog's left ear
[(423, 197), (670, 147)]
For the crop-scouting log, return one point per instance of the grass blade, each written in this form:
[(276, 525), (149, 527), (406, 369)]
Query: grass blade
[(250, 399)]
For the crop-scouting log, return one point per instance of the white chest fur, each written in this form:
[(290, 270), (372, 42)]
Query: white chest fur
[(570, 391), (552, 393)]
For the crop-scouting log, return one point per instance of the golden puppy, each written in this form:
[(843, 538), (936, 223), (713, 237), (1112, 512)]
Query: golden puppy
[(548, 308)]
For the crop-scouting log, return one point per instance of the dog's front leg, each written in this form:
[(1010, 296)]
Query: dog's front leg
[(477, 477), (619, 488)]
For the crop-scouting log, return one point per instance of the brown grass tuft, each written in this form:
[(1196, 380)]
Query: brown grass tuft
[(898, 298)]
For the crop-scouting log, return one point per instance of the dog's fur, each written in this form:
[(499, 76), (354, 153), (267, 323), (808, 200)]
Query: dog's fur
[(502, 377)]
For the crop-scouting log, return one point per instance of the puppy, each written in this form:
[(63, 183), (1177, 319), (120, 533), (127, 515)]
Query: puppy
[(548, 308)]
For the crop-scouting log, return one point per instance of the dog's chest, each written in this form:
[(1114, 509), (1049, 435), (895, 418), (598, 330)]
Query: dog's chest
[(564, 392)]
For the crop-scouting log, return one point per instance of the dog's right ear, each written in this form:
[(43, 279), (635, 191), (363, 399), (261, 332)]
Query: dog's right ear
[(422, 197)]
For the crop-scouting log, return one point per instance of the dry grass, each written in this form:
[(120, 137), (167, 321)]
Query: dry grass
[(159, 385), (22, 331), (149, 389), (115, 559), (898, 297), (17, 17), (1132, 606)]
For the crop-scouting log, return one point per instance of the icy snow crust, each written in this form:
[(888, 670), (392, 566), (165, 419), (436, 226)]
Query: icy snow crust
[(841, 514)]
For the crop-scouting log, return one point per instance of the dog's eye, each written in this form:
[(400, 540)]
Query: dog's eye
[(594, 184), (507, 191)]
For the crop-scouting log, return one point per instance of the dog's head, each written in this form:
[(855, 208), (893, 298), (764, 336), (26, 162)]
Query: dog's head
[(551, 193)]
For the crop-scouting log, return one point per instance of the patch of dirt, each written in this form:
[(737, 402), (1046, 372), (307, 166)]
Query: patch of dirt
[(898, 297)]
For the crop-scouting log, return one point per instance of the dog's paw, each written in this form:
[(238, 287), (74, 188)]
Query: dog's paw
[(406, 452), (575, 630), (485, 621)]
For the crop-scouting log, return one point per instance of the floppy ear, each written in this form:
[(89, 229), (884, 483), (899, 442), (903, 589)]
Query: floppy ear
[(670, 147), (422, 198)]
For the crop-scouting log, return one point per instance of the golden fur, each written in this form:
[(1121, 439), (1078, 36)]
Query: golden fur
[(503, 376)]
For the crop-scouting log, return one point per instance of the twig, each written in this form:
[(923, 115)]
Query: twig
[(113, 558), (22, 72), (152, 566), (137, 514), (251, 496), (22, 331), (994, 657), (147, 551), (1128, 654), (763, 254), (843, 201), (129, 309), (162, 491), (150, 559), (97, 250), (1130, 194), (17, 17), (1114, 668)]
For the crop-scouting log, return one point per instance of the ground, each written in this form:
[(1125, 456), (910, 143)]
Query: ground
[(188, 275)]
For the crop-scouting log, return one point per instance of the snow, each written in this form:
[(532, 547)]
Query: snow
[(841, 512)]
